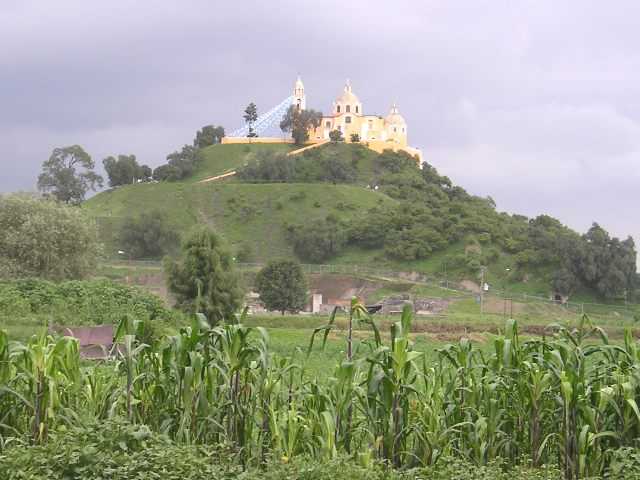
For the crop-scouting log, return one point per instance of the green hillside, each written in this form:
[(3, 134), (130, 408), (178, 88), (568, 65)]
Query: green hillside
[(241, 213), (383, 210), (253, 214), (219, 159)]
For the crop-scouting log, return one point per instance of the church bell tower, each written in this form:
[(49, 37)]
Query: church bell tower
[(299, 98)]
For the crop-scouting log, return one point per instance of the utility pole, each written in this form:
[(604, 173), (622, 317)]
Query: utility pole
[(482, 269)]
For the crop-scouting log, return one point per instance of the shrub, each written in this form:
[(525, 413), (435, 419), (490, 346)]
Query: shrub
[(245, 253), (79, 302), (317, 241), (336, 136), (148, 235), (45, 239), (114, 450), (282, 286)]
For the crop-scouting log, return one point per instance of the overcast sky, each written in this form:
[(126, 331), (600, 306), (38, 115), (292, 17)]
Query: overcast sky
[(536, 103)]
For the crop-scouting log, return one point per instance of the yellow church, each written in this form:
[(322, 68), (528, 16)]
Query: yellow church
[(348, 117)]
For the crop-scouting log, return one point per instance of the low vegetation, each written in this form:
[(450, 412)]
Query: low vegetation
[(28, 306), (376, 209), (568, 399), (148, 236), (45, 238)]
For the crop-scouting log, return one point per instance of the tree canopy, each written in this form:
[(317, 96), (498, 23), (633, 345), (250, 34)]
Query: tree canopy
[(432, 213), (282, 286), (208, 135), (181, 164), (149, 235), (125, 170), (203, 279), (268, 166), (69, 174), (336, 136), (44, 238), (298, 122), (250, 117)]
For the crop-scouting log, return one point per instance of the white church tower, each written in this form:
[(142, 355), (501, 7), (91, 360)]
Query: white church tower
[(299, 98)]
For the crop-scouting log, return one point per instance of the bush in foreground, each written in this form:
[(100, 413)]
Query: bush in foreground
[(46, 239), (79, 302), (117, 450)]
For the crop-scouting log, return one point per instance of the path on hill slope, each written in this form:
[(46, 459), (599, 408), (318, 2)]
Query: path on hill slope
[(233, 172), (218, 177), (308, 147)]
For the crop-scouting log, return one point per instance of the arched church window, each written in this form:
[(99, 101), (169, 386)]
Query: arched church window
[(402, 129), (347, 120), (338, 108), (357, 109), (328, 124), (395, 129), (348, 108)]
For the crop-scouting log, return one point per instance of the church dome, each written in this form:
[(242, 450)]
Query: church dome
[(394, 117), (348, 102), (347, 95)]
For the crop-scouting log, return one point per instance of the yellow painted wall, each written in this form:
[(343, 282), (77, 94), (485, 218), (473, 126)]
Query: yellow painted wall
[(229, 140), (368, 127)]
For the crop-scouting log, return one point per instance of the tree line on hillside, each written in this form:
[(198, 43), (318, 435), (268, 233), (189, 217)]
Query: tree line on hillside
[(432, 213), (50, 240), (69, 172), (272, 167)]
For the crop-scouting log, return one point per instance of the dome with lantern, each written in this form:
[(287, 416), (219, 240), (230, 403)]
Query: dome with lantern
[(394, 117), (347, 102)]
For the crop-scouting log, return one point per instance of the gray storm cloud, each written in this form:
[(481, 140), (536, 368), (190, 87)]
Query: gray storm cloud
[(536, 103)]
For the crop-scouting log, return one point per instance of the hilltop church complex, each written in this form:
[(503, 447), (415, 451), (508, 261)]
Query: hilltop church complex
[(347, 115)]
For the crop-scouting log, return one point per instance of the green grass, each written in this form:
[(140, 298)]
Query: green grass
[(219, 159), (241, 213), (255, 214), (294, 342)]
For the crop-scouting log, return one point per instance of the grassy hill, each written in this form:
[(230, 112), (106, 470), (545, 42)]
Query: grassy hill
[(219, 159), (256, 214), (241, 213)]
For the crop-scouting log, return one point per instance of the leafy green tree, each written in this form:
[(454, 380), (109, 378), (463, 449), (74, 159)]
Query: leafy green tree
[(208, 135), (282, 286), (168, 173), (564, 282), (336, 136), (268, 166), (244, 253), (149, 235), (184, 160), (250, 118), (145, 173), (203, 280), (298, 122), (43, 238), (318, 241), (181, 164), (605, 264), (125, 170), (69, 174)]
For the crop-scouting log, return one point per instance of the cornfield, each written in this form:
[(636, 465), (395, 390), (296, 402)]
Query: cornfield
[(569, 398)]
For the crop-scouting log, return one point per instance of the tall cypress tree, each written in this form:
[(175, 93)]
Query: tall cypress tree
[(203, 279)]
